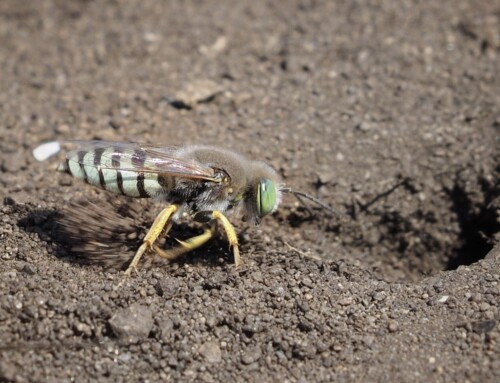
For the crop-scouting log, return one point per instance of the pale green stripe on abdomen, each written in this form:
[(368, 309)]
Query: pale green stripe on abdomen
[(91, 171), (96, 168)]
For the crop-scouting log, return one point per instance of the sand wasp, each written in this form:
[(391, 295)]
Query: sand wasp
[(204, 182)]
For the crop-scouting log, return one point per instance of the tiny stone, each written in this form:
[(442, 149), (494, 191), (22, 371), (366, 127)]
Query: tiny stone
[(483, 326), (489, 314), (211, 321), (30, 310), (83, 328), (125, 358), (62, 129), (306, 326), (325, 177), (211, 352), (303, 306), (166, 326), (368, 340), (133, 323), (28, 269), (364, 126), (345, 301), (251, 356), (443, 299), (198, 91), (484, 306), (65, 181), (172, 361), (379, 296), (393, 326), (307, 282)]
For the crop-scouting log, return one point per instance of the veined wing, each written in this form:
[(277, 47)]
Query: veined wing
[(140, 158)]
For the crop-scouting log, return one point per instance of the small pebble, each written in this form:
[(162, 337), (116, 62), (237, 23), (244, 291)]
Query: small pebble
[(443, 299), (133, 323), (393, 326), (251, 356), (211, 352)]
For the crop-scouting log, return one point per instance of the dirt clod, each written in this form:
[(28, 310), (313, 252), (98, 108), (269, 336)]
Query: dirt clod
[(132, 324), (211, 352)]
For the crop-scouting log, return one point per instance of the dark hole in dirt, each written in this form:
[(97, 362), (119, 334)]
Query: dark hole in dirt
[(478, 225), (412, 228), (410, 240)]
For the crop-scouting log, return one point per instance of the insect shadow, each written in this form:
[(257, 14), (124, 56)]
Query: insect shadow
[(108, 235)]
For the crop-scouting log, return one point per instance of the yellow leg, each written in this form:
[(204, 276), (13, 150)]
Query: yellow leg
[(188, 245), (195, 242), (231, 235), (160, 222)]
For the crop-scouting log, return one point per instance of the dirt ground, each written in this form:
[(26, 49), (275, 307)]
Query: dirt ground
[(387, 110)]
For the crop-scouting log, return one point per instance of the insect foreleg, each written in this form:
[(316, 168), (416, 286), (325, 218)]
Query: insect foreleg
[(158, 225), (209, 216), (231, 235)]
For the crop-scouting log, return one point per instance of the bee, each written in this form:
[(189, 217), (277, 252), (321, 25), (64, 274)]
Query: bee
[(206, 183)]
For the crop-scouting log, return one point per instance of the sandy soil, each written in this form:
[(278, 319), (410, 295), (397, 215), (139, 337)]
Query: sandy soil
[(387, 110)]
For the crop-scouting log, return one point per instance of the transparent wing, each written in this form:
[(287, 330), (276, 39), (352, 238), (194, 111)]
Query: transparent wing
[(137, 157)]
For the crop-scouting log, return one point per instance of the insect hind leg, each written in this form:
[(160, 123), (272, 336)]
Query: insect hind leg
[(162, 221), (189, 244), (212, 217)]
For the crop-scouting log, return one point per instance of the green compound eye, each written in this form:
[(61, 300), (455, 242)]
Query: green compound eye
[(266, 197)]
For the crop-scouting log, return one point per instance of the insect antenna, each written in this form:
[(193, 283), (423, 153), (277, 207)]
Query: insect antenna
[(300, 195)]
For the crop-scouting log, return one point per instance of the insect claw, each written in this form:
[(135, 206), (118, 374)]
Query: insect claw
[(237, 258), (182, 243), (129, 270)]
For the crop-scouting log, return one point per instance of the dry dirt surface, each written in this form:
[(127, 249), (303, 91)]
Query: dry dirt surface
[(387, 110)]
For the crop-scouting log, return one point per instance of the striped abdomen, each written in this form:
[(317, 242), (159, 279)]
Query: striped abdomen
[(105, 168)]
